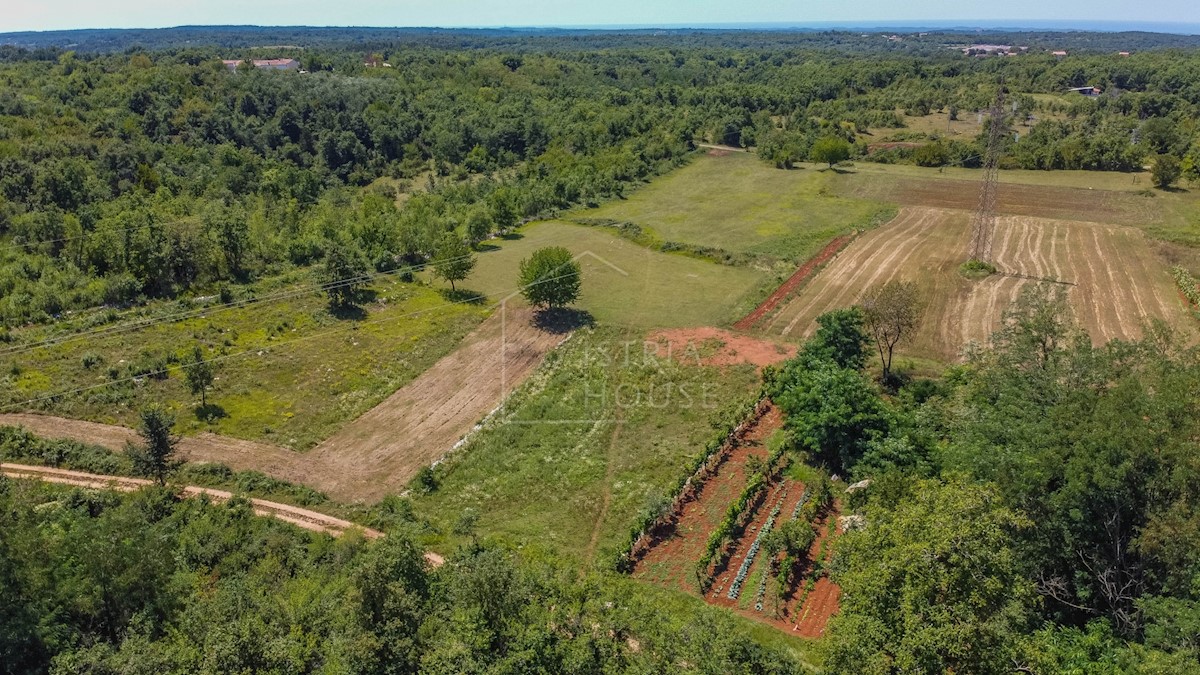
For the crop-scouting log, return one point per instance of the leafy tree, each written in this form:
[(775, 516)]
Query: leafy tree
[(453, 260), (479, 225), (550, 277), (199, 372), (892, 313), (932, 584), (1165, 171), (830, 150), (832, 411), (344, 274), (841, 335), (155, 457)]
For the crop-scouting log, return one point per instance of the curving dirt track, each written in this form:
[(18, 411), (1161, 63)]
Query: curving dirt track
[(304, 518), (1114, 282), (309, 520), (378, 453)]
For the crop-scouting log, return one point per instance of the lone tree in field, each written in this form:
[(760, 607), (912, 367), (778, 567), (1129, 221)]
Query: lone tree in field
[(892, 312), (830, 150), (199, 373), (344, 274), (1165, 171), (156, 456), (453, 260), (550, 277)]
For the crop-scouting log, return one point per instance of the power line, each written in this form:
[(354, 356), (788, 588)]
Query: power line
[(289, 342)]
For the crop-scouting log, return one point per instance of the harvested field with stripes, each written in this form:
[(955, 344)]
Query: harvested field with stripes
[(1114, 281)]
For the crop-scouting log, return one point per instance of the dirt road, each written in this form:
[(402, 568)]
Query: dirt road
[(378, 453), (309, 520)]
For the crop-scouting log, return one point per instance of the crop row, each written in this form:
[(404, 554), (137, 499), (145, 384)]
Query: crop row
[(735, 520), (735, 588), (1187, 285)]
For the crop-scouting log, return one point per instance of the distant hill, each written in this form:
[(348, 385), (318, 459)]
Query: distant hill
[(913, 39)]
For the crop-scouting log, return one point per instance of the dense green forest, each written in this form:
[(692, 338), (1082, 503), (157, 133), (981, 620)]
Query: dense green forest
[(1035, 510), (101, 583), (155, 174)]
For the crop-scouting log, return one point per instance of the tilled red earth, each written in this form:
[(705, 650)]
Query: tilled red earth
[(677, 547)]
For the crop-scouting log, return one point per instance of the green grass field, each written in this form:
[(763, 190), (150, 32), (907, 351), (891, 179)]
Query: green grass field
[(583, 447), (294, 373), (740, 204), (625, 284)]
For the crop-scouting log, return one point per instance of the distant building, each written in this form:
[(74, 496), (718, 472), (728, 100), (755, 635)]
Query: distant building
[(267, 64), (1122, 53), (1086, 91), (1058, 53)]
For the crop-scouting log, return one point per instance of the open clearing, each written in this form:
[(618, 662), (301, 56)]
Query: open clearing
[(625, 284), (289, 374), (738, 203), (1117, 281), (380, 452)]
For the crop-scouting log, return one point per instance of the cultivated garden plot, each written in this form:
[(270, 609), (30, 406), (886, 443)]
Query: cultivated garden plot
[(1114, 282), (740, 571)]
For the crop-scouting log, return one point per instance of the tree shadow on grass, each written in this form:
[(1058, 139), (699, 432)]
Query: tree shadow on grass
[(841, 170), (347, 312), (463, 295), (210, 412), (485, 247), (512, 236), (562, 320)]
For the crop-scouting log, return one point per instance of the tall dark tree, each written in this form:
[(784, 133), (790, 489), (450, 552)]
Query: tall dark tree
[(156, 455), (344, 274)]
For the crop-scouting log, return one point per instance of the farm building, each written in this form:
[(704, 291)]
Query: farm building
[(1086, 91), (1058, 53), (266, 64)]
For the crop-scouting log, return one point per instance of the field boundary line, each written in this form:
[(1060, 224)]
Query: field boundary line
[(808, 269)]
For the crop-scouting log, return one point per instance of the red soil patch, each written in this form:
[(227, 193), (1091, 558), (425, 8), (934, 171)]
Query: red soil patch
[(812, 615), (820, 605), (793, 282), (717, 347)]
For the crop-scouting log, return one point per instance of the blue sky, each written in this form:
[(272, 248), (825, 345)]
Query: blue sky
[(62, 14)]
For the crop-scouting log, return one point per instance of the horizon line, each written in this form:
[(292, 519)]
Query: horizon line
[(1005, 25)]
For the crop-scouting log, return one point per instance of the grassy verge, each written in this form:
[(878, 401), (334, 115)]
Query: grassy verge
[(289, 373)]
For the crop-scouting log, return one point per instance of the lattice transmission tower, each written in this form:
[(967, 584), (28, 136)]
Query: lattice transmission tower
[(983, 221)]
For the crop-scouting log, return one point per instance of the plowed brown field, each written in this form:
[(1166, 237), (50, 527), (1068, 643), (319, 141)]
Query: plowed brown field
[(1115, 283), (1045, 201)]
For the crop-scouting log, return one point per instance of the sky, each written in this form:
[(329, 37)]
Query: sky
[(19, 15)]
